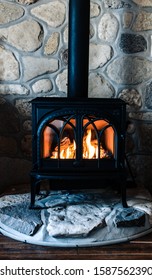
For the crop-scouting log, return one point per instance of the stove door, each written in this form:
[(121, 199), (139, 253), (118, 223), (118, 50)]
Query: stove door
[(76, 139)]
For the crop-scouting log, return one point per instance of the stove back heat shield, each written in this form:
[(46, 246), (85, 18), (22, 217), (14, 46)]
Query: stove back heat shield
[(78, 142)]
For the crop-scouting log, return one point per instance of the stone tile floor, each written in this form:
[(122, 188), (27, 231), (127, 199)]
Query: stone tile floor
[(76, 219)]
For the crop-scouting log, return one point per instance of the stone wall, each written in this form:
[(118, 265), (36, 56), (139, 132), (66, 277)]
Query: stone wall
[(33, 62)]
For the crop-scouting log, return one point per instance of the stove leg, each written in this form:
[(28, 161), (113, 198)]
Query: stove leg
[(123, 195), (33, 192), (35, 189), (122, 184)]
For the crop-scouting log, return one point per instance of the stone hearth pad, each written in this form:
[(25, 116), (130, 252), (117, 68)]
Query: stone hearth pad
[(69, 219)]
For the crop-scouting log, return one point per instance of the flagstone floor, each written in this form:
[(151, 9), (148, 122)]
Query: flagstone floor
[(75, 219)]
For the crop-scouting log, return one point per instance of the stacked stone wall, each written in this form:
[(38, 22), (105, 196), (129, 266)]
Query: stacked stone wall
[(33, 62)]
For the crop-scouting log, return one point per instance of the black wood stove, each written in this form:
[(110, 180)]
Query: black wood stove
[(78, 142)]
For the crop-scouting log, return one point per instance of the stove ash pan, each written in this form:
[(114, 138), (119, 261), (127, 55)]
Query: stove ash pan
[(77, 142)]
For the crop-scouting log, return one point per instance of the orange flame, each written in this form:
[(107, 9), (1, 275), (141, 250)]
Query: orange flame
[(90, 151), (90, 148)]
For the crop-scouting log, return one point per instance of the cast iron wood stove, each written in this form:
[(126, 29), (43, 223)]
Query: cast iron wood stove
[(78, 142)]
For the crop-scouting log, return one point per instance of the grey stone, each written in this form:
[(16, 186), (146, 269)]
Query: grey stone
[(131, 127), (117, 4), (99, 55), (131, 97), (148, 96), (92, 31), (142, 116), (99, 87), (10, 12), (62, 198), (9, 66), (27, 125), (14, 199), (78, 219), (132, 43), (130, 70), (141, 204), (129, 217), (75, 220), (21, 218), (64, 56), (36, 66)]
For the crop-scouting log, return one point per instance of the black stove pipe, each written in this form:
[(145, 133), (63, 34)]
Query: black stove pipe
[(78, 48)]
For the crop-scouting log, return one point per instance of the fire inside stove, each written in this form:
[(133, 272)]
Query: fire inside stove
[(60, 139)]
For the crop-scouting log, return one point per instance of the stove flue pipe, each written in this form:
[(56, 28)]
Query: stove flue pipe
[(78, 48)]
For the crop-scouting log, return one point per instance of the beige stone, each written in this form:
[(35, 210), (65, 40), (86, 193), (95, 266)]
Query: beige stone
[(10, 12), (24, 107), (143, 21), (61, 81), (99, 55), (143, 3), (108, 27), (127, 19), (42, 86), (24, 36), (131, 97), (36, 66), (52, 13), (99, 87), (52, 44), (94, 9), (13, 89), (9, 67)]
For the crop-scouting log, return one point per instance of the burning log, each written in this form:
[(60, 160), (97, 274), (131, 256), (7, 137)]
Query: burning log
[(90, 149), (65, 142), (67, 149)]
